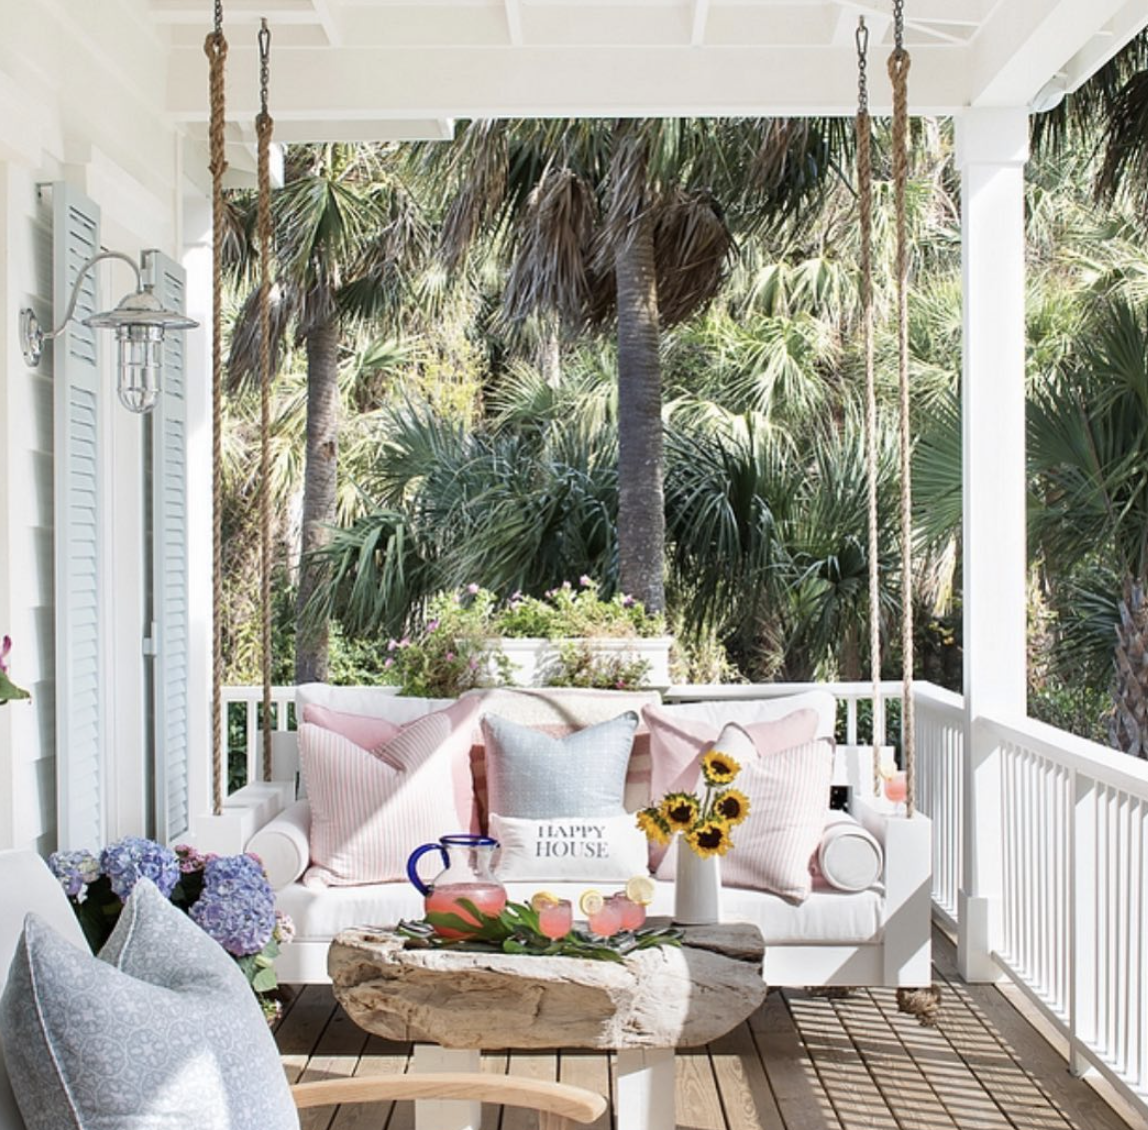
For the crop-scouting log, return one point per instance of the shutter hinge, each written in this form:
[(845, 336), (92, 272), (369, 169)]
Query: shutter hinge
[(151, 640)]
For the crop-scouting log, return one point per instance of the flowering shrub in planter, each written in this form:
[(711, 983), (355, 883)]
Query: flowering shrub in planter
[(471, 640), (8, 689), (228, 896)]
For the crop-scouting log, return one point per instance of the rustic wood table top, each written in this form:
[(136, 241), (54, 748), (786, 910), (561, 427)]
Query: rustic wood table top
[(661, 997)]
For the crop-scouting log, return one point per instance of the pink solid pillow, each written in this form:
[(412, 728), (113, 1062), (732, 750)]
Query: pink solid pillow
[(375, 735), (787, 790), (365, 731), (677, 745)]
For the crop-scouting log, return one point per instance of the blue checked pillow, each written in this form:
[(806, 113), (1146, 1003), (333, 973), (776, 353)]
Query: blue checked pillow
[(534, 775), (160, 1031)]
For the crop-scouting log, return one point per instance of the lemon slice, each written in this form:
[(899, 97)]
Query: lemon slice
[(542, 899), (591, 902), (641, 889)]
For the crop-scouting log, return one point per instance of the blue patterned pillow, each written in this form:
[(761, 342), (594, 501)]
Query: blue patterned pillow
[(161, 1030), (533, 775)]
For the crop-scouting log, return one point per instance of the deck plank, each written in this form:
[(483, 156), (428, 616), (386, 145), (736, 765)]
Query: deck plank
[(743, 1083), (698, 1104), (801, 1101), (801, 1062), (591, 1070)]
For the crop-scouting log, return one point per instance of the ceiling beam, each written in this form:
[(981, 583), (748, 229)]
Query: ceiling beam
[(379, 84), (1112, 38), (1021, 46), (514, 22), (701, 16)]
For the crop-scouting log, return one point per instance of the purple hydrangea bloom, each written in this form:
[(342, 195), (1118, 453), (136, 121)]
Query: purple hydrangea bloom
[(74, 869), (237, 907), (133, 858)]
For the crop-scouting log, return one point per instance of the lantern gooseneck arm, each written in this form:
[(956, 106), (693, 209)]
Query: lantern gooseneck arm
[(97, 258)]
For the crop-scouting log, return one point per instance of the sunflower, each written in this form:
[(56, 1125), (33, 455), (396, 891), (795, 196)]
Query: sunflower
[(731, 806), (679, 810), (710, 838), (651, 822), (719, 768)]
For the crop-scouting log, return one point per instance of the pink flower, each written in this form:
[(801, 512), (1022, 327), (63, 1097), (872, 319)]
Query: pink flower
[(432, 626), (472, 588), (621, 684), (5, 647), (449, 656), (567, 585), (585, 581), (628, 601), (405, 641), (389, 662), (473, 662), (392, 644)]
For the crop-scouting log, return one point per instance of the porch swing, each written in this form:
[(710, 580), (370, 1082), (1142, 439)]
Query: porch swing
[(906, 929)]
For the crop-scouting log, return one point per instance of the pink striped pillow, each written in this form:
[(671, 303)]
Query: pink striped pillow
[(371, 808), (787, 791), (364, 730), (677, 744)]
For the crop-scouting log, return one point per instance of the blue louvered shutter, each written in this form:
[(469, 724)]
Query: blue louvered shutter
[(169, 564), (80, 713)]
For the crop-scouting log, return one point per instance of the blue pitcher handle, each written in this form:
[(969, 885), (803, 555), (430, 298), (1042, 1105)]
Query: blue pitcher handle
[(413, 865)]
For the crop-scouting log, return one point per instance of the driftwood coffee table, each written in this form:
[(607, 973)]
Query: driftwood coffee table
[(454, 1004)]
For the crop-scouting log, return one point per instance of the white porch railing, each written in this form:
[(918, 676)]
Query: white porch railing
[(1074, 914), (241, 707)]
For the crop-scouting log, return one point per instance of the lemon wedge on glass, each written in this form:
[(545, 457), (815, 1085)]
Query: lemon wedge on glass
[(541, 899), (641, 889), (591, 902)]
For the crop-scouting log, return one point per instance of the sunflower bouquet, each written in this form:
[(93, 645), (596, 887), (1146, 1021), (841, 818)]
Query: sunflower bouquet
[(705, 821)]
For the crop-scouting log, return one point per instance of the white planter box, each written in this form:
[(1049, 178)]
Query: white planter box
[(532, 659)]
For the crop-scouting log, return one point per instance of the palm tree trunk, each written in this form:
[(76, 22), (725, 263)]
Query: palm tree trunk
[(320, 478), (1128, 729), (641, 501)]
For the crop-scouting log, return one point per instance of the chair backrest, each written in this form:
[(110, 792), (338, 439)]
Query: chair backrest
[(28, 885)]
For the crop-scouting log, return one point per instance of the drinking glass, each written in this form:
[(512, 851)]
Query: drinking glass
[(608, 920), (633, 913), (896, 788), (555, 920)]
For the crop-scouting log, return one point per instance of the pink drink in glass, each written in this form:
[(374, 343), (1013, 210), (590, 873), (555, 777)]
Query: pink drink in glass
[(896, 787), (555, 920), (489, 898), (633, 913), (607, 921)]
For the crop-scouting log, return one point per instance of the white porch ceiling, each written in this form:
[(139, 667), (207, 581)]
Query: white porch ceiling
[(375, 69)]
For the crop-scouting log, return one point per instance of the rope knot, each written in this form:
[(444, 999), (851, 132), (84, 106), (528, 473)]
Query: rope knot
[(215, 46), (899, 63)]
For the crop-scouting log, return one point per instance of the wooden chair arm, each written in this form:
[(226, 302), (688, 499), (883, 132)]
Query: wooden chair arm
[(566, 1102)]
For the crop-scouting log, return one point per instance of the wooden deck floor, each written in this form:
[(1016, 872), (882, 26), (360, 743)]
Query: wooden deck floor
[(800, 1063)]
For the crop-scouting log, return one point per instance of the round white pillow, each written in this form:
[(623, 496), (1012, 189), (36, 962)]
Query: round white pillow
[(849, 857)]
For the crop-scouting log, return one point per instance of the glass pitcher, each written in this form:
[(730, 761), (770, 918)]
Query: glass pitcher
[(465, 875)]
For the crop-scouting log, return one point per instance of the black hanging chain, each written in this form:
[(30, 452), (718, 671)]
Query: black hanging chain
[(264, 64), (218, 18), (899, 26), (862, 39)]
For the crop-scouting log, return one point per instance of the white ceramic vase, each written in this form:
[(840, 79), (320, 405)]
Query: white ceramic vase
[(697, 887)]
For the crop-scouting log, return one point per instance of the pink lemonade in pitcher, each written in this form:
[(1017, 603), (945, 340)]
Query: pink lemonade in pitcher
[(466, 876), (488, 898)]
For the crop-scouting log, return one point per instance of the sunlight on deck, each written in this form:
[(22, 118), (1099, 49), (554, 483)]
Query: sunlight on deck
[(800, 1063)]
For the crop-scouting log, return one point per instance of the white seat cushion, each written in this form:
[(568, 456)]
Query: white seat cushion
[(826, 917)]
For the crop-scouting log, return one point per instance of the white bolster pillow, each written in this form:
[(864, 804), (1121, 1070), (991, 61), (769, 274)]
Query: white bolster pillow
[(849, 857), (282, 844)]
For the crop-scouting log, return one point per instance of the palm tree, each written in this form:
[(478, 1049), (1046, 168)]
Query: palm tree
[(1088, 442), (347, 239), (629, 223)]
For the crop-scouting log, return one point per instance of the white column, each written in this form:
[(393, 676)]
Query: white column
[(196, 258), (992, 147)]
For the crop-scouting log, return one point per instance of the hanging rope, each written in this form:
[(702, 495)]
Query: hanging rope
[(899, 63), (865, 206), (264, 128), (215, 47)]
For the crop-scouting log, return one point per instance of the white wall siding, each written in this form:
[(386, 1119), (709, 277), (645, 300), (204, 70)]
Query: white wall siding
[(81, 100)]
